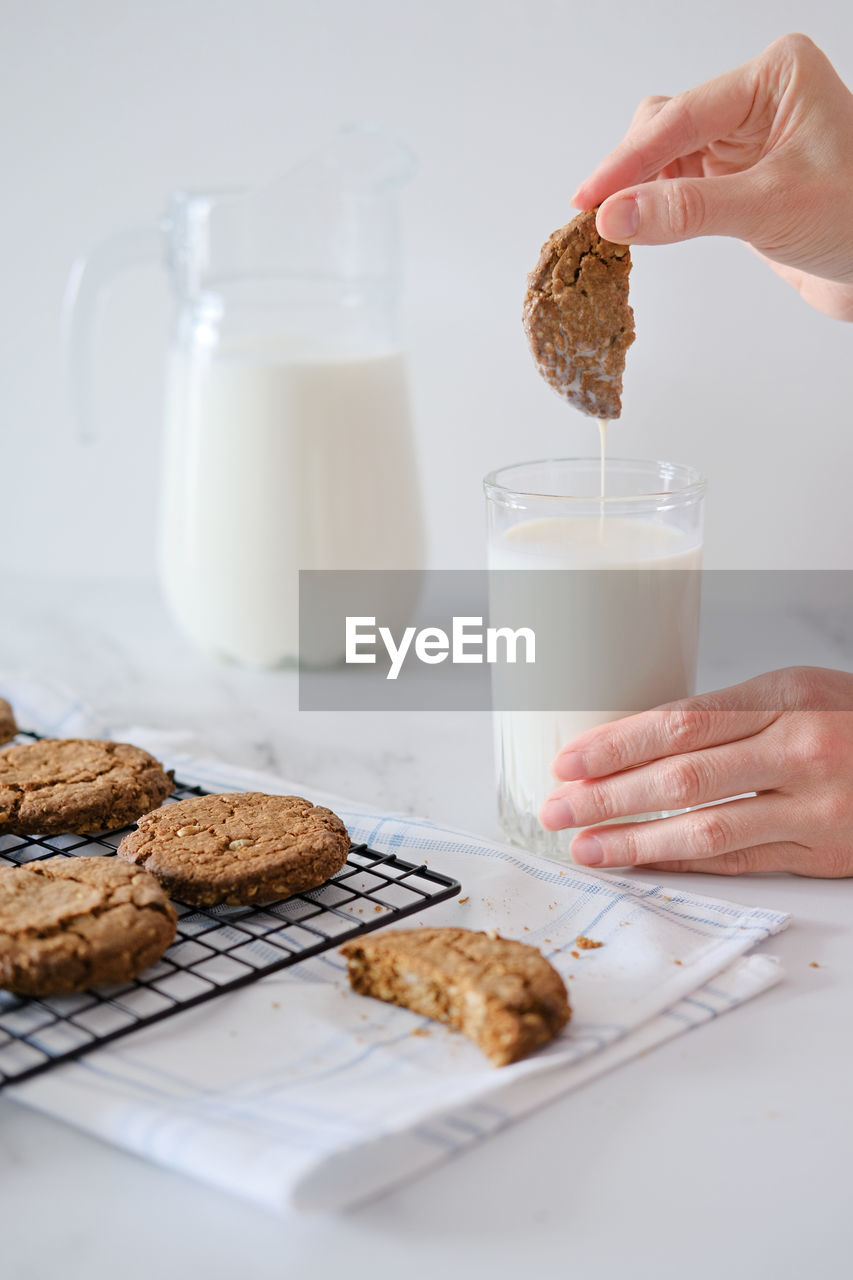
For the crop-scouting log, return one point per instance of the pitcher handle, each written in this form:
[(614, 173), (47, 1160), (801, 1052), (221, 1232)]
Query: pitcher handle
[(90, 276)]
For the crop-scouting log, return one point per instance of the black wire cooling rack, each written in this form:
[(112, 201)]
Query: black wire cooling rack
[(217, 949)]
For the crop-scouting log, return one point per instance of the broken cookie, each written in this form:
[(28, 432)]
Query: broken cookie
[(502, 994), (577, 318)]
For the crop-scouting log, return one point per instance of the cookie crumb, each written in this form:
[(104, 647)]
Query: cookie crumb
[(587, 944), (377, 908), (676, 962), (420, 1031), (813, 964), (463, 900), (276, 1005), (576, 954)]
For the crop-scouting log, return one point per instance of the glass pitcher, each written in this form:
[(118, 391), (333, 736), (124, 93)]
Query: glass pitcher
[(288, 442)]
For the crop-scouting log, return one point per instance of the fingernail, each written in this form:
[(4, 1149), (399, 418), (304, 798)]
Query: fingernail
[(619, 220), (569, 766), (556, 813), (587, 850), (574, 199)]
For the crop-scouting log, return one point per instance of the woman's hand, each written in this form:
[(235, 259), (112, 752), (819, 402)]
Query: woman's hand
[(787, 736), (763, 153)]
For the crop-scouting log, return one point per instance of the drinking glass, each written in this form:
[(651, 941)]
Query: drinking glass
[(618, 575)]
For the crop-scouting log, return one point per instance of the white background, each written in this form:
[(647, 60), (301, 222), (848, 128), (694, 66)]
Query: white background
[(105, 107)]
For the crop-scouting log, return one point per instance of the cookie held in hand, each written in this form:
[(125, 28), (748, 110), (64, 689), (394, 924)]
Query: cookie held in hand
[(502, 994), (577, 318), (70, 923), (239, 849), (77, 785)]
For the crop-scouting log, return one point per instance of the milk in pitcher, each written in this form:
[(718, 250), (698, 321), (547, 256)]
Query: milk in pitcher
[(278, 460)]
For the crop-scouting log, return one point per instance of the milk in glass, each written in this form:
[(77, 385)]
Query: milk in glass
[(526, 741)]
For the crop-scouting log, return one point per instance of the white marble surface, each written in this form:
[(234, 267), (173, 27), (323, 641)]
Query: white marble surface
[(726, 1151)]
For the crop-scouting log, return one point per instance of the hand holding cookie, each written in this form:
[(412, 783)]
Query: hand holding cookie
[(763, 153)]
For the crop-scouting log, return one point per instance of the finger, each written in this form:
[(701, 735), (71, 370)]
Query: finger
[(779, 856), (648, 109), (690, 724), (705, 833), (682, 125), (678, 782), (783, 855), (692, 166), (668, 211)]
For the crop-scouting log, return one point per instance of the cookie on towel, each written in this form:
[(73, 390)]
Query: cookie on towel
[(239, 849), (502, 994)]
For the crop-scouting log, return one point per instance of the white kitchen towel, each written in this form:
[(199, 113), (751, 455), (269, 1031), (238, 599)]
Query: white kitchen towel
[(295, 1092)]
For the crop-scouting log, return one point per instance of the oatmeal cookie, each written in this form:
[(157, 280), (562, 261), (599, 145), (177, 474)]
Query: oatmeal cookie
[(8, 728), (78, 785), (239, 849), (502, 994), (577, 319), (69, 923)]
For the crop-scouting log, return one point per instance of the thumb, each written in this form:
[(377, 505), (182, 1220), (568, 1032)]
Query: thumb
[(669, 210)]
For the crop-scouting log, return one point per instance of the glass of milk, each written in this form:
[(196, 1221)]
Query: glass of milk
[(629, 639)]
